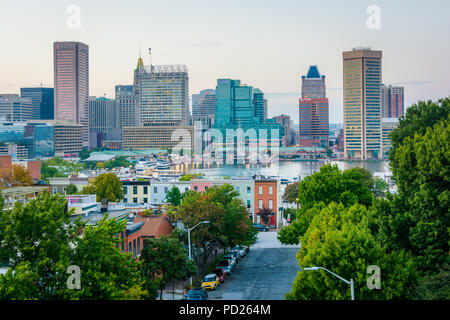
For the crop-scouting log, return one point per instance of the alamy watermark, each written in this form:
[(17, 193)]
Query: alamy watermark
[(374, 19), (74, 19), (74, 280), (374, 281)]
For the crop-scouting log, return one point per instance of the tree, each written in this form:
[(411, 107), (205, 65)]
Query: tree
[(291, 193), (40, 241), (164, 260), (420, 213), (339, 239), (174, 196), (106, 186), (16, 175), (71, 189), (435, 286), (327, 185), (190, 176)]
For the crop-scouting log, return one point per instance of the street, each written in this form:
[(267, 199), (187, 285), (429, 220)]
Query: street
[(265, 273)]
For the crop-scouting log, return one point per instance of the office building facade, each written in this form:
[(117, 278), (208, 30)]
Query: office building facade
[(42, 100), (104, 119), (126, 101), (313, 111), (71, 89), (204, 103), (163, 94), (362, 104), (15, 108)]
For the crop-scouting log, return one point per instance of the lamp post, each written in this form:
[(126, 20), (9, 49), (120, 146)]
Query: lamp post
[(189, 243), (352, 290)]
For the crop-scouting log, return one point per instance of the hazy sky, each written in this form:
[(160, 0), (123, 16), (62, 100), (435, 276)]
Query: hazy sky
[(266, 44)]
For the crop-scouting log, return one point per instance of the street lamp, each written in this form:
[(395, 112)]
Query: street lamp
[(352, 290), (189, 243)]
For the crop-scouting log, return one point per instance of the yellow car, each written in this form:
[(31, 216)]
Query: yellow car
[(211, 282)]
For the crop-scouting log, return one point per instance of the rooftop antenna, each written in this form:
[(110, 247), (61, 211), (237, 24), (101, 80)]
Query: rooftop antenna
[(150, 54)]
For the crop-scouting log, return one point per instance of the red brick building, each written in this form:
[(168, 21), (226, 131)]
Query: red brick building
[(266, 197)]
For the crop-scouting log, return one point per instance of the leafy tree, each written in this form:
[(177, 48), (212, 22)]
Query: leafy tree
[(417, 119), (119, 161), (435, 286), (40, 241), (164, 260), (190, 176), (292, 213), (16, 175), (291, 193), (174, 196), (420, 213), (339, 239), (71, 189), (327, 185), (106, 186)]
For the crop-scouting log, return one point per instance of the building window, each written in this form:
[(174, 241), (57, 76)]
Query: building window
[(260, 190), (155, 200), (270, 204), (270, 190), (55, 190), (195, 188), (260, 204), (145, 200), (249, 190), (134, 200), (166, 189), (138, 246), (238, 189), (134, 189), (145, 190), (129, 247), (64, 190), (134, 248), (249, 205), (125, 190), (186, 189), (155, 189), (125, 200), (206, 188)]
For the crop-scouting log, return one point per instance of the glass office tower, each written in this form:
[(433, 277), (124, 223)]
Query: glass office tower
[(42, 100)]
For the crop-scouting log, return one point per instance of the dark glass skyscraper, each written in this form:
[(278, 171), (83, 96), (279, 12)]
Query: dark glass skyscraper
[(42, 100)]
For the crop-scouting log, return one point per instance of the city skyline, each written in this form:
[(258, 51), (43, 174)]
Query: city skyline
[(343, 26)]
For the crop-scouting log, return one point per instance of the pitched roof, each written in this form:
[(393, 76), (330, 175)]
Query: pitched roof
[(154, 226), (313, 73)]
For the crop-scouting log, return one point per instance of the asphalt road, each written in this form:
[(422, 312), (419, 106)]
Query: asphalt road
[(265, 273)]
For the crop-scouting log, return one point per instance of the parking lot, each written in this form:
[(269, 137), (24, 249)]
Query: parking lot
[(265, 273)]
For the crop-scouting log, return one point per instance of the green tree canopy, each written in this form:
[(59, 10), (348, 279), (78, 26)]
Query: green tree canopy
[(164, 260), (71, 189), (339, 239), (106, 186), (174, 196), (291, 193)]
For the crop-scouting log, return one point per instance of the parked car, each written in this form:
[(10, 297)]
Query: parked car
[(261, 227), (221, 273), (241, 251), (196, 294), (232, 260), (225, 264), (236, 255), (210, 282)]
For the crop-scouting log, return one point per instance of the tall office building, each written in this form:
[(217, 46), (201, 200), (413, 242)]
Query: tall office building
[(163, 94), (285, 121), (259, 105), (42, 100), (362, 104), (103, 119), (313, 84), (128, 107), (71, 77), (15, 108), (313, 111), (393, 101), (204, 103)]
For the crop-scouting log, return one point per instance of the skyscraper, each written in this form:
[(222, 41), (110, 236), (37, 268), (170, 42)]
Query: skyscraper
[(126, 101), (104, 119), (259, 105), (42, 100), (362, 104), (71, 77), (313, 111), (393, 101), (204, 103), (163, 94)]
